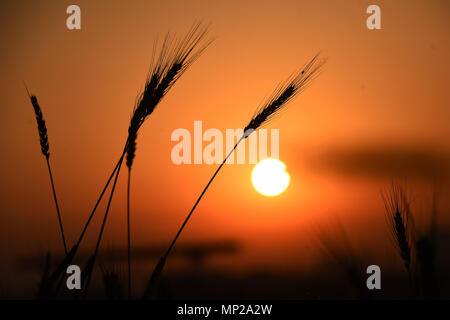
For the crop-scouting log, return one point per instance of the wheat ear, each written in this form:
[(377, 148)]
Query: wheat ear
[(397, 212)]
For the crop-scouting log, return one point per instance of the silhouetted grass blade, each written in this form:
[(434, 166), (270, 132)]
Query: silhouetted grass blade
[(154, 279)]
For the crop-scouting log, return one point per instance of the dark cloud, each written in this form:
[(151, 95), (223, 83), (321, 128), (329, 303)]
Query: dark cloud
[(385, 162), (194, 252)]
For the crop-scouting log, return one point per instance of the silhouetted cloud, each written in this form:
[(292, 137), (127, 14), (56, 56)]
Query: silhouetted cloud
[(384, 162), (194, 251)]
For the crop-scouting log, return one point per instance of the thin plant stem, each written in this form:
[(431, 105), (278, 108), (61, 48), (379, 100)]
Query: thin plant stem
[(199, 198), (160, 265), (100, 198), (57, 206), (59, 271), (128, 233), (97, 246)]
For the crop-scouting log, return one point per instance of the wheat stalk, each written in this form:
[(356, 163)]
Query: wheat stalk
[(131, 151), (173, 60), (279, 99), (397, 212), (43, 137)]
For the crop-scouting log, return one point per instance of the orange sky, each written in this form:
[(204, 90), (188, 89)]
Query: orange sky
[(385, 88)]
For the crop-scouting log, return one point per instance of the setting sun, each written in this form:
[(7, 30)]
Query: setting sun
[(269, 177)]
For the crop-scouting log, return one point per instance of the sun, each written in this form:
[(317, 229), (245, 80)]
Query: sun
[(269, 177)]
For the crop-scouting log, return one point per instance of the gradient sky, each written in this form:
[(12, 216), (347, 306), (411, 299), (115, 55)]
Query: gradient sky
[(380, 91)]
